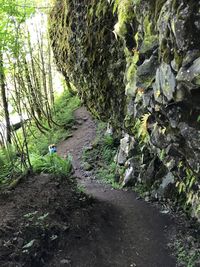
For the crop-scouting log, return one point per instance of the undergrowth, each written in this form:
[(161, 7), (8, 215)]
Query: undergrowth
[(101, 156), (51, 164), (185, 258), (13, 164), (9, 165), (64, 118)]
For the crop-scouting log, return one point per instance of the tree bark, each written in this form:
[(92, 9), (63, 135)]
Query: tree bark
[(4, 99)]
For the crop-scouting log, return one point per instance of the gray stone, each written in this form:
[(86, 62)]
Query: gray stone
[(20, 242), (129, 176), (65, 262), (149, 174), (146, 72), (168, 180), (165, 82), (109, 130), (174, 65), (192, 145), (159, 138), (191, 75), (126, 145), (190, 56)]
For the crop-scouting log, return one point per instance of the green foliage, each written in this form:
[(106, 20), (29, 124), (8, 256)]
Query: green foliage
[(101, 157), (64, 108), (80, 188), (108, 149), (38, 142), (107, 174), (141, 189), (188, 189), (63, 116), (9, 165), (140, 128), (185, 258), (108, 141), (12, 14), (51, 164), (124, 9), (101, 8)]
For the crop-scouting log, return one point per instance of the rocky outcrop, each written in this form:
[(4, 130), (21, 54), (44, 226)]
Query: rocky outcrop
[(136, 64)]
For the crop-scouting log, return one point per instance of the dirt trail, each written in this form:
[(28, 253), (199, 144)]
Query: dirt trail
[(132, 232)]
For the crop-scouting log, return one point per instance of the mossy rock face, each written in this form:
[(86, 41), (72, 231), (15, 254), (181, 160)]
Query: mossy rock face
[(136, 64), (89, 56)]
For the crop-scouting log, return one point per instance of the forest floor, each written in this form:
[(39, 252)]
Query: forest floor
[(46, 221)]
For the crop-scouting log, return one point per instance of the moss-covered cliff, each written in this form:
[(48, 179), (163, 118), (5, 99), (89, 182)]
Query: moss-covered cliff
[(136, 63), (89, 56)]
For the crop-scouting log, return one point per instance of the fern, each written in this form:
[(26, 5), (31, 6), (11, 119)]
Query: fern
[(51, 164), (141, 126)]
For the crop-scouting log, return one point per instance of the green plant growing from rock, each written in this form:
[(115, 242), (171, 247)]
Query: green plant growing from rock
[(140, 128), (189, 188)]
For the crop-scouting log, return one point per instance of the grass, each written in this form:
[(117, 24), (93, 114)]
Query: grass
[(63, 116), (101, 156)]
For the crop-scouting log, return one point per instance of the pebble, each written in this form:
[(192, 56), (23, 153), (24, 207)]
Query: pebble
[(65, 261)]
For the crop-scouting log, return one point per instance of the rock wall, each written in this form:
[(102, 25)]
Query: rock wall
[(136, 64), (88, 55)]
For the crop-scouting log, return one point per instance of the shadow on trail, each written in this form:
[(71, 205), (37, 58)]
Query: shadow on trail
[(125, 231)]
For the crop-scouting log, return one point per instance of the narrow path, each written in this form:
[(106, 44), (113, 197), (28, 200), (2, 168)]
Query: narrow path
[(134, 233)]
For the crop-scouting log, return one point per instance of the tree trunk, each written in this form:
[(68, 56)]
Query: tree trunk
[(4, 99)]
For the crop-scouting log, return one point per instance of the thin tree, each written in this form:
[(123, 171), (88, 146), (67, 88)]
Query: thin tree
[(4, 98)]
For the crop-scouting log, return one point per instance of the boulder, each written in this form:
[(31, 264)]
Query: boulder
[(166, 185), (126, 145)]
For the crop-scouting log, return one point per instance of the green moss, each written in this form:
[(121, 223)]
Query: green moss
[(150, 38), (87, 54), (131, 73), (91, 12), (147, 26), (167, 56), (158, 6), (148, 43), (178, 59), (101, 8), (132, 68), (125, 11)]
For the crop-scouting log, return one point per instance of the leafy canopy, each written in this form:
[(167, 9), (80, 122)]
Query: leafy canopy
[(12, 14)]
